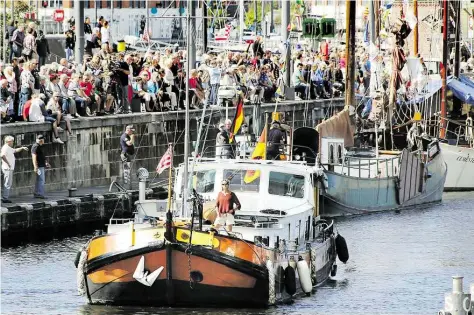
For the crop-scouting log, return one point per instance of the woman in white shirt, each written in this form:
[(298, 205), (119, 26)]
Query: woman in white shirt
[(105, 33)]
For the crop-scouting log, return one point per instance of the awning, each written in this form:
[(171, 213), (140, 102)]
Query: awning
[(467, 80), (463, 91)]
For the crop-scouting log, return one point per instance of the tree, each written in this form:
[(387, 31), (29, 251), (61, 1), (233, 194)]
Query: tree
[(21, 7)]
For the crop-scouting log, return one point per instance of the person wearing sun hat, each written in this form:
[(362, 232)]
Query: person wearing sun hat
[(226, 205)]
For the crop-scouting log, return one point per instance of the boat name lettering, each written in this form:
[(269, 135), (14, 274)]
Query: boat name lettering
[(465, 159)]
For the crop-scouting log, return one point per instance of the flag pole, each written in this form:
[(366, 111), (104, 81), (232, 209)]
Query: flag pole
[(265, 136), (170, 147)]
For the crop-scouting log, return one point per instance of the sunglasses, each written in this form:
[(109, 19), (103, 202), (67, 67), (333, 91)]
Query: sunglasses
[(225, 184)]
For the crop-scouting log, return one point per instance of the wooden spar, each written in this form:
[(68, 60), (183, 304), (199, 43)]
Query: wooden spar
[(415, 30), (350, 52), (442, 130)]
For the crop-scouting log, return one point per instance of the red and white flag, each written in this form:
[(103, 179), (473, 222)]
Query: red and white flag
[(165, 161)]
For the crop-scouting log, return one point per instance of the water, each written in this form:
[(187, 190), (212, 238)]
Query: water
[(399, 264)]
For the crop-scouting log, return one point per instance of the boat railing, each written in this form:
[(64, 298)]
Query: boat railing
[(226, 151), (461, 132), (360, 166), (116, 221)]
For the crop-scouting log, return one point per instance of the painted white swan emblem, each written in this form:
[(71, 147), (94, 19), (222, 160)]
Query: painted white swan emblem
[(144, 276)]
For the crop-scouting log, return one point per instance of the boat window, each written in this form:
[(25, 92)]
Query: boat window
[(243, 180), (283, 184), (331, 154), (203, 181), (339, 154)]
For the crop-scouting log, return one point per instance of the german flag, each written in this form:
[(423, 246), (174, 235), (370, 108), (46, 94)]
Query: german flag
[(238, 120), (257, 154)]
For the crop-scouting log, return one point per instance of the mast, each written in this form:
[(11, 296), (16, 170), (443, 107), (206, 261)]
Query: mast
[(444, 72), (186, 115), (457, 43), (415, 30), (457, 104), (204, 27), (350, 50), (285, 21), (241, 20)]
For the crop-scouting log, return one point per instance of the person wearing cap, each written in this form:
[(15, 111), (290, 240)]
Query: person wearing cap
[(8, 165), (226, 205), (275, 139), (127, 145), (39, 165)]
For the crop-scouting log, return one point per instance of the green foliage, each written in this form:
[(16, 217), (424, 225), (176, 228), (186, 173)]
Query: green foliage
[(250, 15)]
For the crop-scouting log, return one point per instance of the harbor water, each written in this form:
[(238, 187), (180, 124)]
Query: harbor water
[(400, 263)]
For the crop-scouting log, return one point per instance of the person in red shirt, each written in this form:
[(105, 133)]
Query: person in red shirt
[(26, 110), (325, 49), (226, 205), (87, 86)]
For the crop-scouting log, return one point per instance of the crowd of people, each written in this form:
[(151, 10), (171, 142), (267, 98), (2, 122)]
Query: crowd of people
[(110, 82)]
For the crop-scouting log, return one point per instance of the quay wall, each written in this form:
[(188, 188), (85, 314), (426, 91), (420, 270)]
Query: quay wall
[(91, 157)]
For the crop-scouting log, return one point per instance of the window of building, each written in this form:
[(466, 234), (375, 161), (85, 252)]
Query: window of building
[(109, 4), (203, 181), (89, 4), (243, 180), (283, 184), (131, 3), (118, 4)]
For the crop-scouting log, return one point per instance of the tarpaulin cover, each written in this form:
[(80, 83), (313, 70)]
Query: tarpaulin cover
[(462, 91)]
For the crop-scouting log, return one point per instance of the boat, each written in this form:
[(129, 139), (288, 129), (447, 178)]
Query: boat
[(460, 160), (169, 254), (279, 246), (458, 139), (364, 179)]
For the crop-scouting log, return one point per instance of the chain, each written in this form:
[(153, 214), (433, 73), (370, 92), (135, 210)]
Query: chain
[(189, 253)]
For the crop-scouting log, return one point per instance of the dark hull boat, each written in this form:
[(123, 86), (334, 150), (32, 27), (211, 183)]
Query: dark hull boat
[(212, 270), (207, 278)]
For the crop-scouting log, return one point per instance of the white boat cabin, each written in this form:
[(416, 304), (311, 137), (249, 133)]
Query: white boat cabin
[(279, 198)]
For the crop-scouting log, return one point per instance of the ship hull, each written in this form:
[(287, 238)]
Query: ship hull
[(460, 162), (220, 280), (230, 273), (347, 195)]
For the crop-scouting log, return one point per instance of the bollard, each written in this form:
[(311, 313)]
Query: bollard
[(457, 284), (456, 302), (472, 298)]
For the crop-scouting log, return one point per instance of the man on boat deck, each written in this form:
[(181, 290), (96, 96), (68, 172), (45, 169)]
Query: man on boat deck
[(226, 205), (275, 139), (127, 144)]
